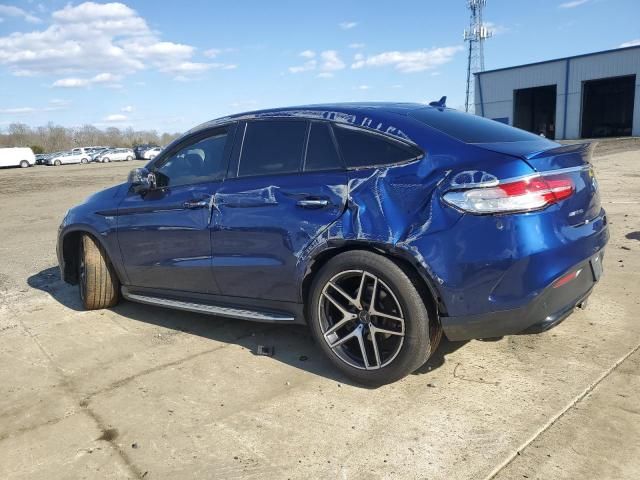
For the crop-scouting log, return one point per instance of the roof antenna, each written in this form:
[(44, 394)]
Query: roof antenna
[(440, 103)]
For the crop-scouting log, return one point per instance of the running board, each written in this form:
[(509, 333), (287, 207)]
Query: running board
[(230, 312)]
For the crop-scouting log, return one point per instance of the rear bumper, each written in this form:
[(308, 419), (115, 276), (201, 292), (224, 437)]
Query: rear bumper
[(543, 312)]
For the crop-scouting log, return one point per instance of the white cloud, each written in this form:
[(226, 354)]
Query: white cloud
[(357, 46), (573, 4), (329, 61), (305, 67), (363, 87), (105, 79), (307, 54), (325, 75), (347, 25), (91, 38), (116, 117), (12, 11), (630, 43), (496, 29), (127, 109), (409, 61), (17, 110)]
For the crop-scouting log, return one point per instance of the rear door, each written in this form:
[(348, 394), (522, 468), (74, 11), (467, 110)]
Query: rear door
[(164, 235), (286, 185)]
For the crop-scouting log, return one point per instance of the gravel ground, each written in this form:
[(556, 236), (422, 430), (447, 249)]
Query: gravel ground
[(142, 392)]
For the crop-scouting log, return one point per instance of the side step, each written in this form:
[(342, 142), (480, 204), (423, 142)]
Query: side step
[(230, 312)]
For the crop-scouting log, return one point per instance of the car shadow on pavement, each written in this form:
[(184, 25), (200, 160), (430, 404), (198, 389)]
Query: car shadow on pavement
[(290, 344)]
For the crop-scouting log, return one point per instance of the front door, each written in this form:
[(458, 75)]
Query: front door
[(164, 234), (289, 186)]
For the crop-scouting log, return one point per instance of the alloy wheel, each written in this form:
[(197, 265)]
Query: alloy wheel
[(361, 319)]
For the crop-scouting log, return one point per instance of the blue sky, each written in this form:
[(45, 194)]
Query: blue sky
[(172, 65)]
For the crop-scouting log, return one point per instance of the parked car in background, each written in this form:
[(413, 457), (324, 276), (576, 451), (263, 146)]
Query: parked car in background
[(65, 158), (381, 226), (151, 153), (82, 153), (116, 155), (139, 150), (17, 157), (93, 157), (41, 158)]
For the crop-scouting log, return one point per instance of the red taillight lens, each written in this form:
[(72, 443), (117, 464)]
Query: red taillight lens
[(523, 195)]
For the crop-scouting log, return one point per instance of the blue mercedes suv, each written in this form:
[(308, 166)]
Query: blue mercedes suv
[(381, 226)]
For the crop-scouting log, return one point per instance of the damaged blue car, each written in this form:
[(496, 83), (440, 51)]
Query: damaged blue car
[(381, 226)]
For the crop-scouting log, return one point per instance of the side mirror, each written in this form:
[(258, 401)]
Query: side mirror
[(142, 180)]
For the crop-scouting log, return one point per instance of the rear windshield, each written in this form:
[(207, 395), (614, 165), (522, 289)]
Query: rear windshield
[(470, 128)]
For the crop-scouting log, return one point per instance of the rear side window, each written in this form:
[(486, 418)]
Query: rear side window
[(321, 150), (361, 149), (471, 128), (272, 147)]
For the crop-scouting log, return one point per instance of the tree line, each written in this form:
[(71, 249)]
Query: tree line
[(55, 138)]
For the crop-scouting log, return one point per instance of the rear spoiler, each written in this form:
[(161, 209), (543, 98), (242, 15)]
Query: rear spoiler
[(583, 149)]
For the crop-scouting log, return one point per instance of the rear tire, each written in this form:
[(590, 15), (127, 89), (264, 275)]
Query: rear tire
[(84, 160), (398, 334), (129, 158), (99, 285), (106, 160), (57, 163)]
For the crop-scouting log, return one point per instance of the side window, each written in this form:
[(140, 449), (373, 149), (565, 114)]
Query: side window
[(361, 149), (202, 161), (272, 147), (321, 150)]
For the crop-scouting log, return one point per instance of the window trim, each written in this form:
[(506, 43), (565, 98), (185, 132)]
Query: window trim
[(420, 153), (334, 141), (196, 137), (236, 160)]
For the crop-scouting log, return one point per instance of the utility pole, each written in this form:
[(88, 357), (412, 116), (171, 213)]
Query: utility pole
[(475, 36)]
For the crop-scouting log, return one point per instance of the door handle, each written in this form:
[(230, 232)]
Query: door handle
[(193, 204), (313, 203)]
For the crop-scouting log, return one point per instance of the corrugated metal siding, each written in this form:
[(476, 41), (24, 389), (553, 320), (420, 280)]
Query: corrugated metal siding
[(496, 88)]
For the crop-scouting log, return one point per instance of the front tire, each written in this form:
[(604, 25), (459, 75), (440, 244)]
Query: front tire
[(57, 163), (99, 285), (369, 318), (24, 164), (129, 158), (84, 160)]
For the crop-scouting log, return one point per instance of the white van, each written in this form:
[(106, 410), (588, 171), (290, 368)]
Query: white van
[(17, 157)]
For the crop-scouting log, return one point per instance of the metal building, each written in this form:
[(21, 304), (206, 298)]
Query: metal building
[(586, 96)]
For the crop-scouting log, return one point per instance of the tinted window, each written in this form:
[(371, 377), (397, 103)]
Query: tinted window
[(202, 161), (321, 151), (471, 128), (272, 147), (360, 149)]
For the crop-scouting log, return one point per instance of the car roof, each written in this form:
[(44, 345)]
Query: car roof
[(381, 116)]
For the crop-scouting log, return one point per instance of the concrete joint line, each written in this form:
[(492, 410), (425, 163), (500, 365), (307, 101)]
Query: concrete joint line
[(560, 414)]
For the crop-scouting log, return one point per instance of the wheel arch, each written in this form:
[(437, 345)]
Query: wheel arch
[(416, 272), (70, 249)]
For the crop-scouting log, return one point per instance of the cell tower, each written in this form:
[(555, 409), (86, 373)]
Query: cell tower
[(475, 35)]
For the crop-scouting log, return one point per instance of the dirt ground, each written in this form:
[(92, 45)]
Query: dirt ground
[(143, 392)]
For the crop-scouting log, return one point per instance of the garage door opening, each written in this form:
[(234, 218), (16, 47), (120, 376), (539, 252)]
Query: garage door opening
[(535, 110), (607, 107)]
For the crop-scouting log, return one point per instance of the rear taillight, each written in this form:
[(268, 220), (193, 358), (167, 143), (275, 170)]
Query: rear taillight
[(526, 194)]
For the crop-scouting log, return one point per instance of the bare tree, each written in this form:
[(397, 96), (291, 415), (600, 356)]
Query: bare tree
[(54, 138)]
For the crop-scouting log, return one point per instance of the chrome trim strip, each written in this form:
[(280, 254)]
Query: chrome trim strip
[(548, 173), (208, 309)]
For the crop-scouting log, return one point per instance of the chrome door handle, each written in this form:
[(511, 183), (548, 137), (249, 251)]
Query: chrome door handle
[(193, 204), (312, 203)]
